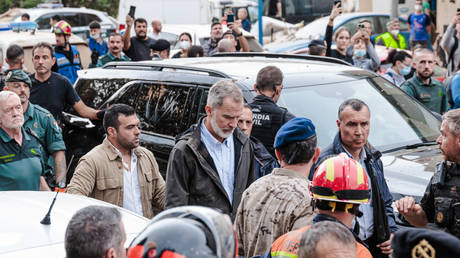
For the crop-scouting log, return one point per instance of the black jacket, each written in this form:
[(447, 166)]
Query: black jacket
[(267, 119), (192, 179), (264, 163)]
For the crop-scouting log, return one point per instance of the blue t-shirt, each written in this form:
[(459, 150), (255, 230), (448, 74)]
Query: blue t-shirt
[(418, 24), (102, 49), (454, 89)]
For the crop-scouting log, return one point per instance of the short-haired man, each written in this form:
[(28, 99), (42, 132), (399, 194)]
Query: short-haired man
[(210, 46), (267, 116), (317, 47), (53, 20), (226, 46), (236, 36), (40, 121), (377, 223), (115, 53), (211, 164), (264, 163), (25, 17), (422, 86), (67, 56), (14, 57), (419, 26), (95, 231), (392, 38), (336, 174), (160, 49), (439, 205), (97, 44), (21, 160), (279, 202), (156, 30), (138, 47), (119, 171), (51, 90), (327, 239)]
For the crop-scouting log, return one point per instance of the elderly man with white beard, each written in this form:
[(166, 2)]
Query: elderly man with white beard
[(211, 163), (21, 160)]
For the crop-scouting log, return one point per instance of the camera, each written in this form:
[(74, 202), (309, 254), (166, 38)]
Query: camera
[(361, 26)]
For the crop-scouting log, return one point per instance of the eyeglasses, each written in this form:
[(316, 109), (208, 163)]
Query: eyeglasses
[(10, 110)]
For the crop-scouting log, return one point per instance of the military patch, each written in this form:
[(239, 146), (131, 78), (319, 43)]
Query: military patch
[(423, 249), (8, 76), (439, 217), (35, 125), (56, 125)]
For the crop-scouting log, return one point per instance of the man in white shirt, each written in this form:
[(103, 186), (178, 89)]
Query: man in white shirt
[(119, 171)]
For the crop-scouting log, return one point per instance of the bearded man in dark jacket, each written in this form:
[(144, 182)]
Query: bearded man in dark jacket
[(211, 163)]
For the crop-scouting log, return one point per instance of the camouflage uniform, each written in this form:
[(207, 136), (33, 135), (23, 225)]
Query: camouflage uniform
[(272, 206)]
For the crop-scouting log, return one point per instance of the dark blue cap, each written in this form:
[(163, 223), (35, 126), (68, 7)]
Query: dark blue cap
[(424, 241), (295, 130)]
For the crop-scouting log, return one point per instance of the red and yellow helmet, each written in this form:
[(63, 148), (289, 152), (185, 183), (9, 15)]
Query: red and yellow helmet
[(63, 27), (340, 179)]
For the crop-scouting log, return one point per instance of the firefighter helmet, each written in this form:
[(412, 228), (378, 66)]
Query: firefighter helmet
[(63, 27)]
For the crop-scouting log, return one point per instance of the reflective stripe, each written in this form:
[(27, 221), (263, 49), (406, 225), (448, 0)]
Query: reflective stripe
[(282, 254), (330, 175), (7, 156), (360, 179)]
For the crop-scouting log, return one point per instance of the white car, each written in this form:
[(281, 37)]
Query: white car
[(22, 234), (78, 18)]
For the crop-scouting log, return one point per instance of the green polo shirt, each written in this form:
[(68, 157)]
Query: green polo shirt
[(432, 95), (20, 166), (109, 58)]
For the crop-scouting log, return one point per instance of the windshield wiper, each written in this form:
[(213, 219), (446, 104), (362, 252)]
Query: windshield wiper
[(420, 144)]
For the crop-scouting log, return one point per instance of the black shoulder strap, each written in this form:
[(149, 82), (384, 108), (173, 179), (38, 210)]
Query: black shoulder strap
[(452, 51)]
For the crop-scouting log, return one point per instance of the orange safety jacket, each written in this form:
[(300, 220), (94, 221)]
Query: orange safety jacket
[(287, 245)]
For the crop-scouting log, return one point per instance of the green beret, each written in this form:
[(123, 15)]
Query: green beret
[(18, 76)]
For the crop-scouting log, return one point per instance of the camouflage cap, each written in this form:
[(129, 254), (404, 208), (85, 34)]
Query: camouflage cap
[(18, 76)]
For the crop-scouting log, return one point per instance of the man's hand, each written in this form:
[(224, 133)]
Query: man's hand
[(129, 21), (385, 247), (407, 206), (234, 27), (366, 38)]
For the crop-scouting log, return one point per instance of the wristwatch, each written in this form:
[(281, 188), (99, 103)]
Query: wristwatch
[(61, 184)]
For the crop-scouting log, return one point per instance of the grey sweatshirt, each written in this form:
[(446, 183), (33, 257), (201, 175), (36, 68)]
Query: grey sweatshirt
[(447, 43)]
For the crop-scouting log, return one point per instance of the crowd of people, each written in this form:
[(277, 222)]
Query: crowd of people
[(246, 180)]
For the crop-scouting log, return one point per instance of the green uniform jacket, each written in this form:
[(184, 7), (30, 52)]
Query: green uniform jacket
[(42, 122), (109, 58), (390, 41), (20, 166), (433, 96), (45, 126)]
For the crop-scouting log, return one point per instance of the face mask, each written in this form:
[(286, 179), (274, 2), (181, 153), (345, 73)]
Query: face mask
[(359, 53), (184, 44), (395, 32), (95, 36), (405, 70), (418, 7)]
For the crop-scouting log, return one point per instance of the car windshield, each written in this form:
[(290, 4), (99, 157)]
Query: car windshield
[(396, 120)]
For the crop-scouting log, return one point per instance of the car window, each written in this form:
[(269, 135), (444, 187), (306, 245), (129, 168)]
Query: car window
[(165, 108), (72, 18), (91, 17), (94, 92), (43, 21), (396, 120)]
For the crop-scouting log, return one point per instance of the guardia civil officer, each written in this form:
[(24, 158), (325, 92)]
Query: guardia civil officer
[(267, 116), (440, 205)]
